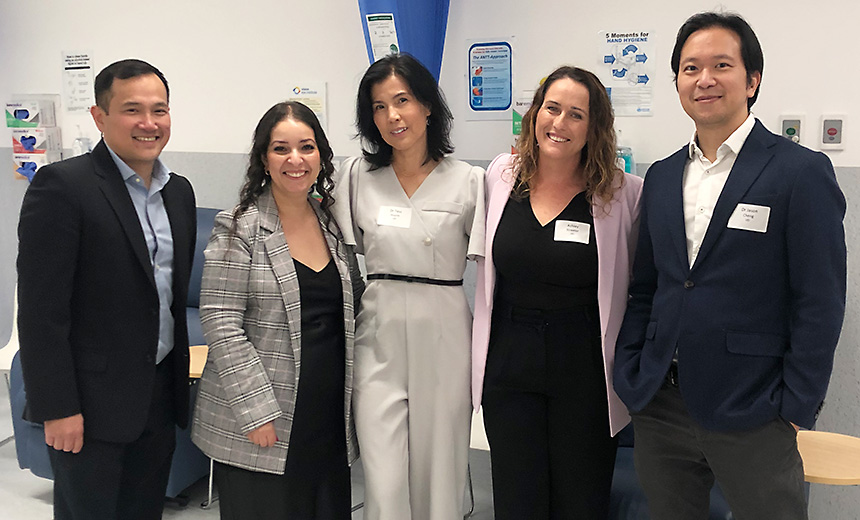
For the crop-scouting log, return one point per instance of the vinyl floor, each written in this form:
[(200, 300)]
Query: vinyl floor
[(24, 496)]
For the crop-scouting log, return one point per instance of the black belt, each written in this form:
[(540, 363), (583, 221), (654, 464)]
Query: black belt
[(672, 374), (413, 279), (515, 313)]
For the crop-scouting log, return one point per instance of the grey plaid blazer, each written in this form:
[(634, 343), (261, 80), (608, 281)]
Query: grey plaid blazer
[(251, 317)]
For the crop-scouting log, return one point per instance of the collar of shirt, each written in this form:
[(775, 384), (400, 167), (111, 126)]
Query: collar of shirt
[(155, 225), (734, 143), (704, 181), (160, 172)]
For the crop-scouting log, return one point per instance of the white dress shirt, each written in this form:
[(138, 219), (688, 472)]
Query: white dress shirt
[(704, 181)]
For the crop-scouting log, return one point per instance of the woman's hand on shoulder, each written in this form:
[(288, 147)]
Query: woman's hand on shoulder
[(264, 436)]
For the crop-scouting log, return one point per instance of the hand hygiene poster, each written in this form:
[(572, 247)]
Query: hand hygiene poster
[(627, 70)]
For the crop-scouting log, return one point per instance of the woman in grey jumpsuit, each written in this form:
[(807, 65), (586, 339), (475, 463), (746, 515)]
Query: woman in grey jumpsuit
[(416, 215)]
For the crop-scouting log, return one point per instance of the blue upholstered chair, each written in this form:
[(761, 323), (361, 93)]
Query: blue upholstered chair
[(30, 444), (189, 463), (205, 222)]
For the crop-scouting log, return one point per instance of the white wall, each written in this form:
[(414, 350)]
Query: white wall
[(807, 47), (226, 61)]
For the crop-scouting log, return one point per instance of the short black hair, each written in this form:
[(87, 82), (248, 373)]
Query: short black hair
[(425, 89), (123, 69), (751, 52)]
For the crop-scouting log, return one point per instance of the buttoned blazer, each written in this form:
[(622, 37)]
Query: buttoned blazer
[(615, 230), (88, 318), (756, 319), (250, 310)]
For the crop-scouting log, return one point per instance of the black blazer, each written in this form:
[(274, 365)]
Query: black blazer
[(756, 319), (87, 301)]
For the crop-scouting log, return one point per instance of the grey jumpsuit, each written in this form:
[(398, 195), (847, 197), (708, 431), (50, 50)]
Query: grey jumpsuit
[(412, 347)]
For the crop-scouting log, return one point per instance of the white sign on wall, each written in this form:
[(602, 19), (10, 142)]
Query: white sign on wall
[(312, 94), (383, 35), (627, 70), (78, 81)]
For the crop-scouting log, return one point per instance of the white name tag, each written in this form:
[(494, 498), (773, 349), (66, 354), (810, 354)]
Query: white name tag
[(394, 216), (750, 217), (571, 231)]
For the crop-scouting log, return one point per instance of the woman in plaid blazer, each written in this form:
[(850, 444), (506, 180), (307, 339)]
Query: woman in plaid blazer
[(277, 306)]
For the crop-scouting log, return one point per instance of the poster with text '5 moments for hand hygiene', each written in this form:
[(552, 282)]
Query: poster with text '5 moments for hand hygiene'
[(627, 70)]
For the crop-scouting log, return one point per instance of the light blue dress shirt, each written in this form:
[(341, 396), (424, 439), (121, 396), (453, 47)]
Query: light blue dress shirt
[(159, 241)]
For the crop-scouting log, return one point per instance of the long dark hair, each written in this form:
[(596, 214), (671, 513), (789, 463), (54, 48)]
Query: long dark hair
[(426, 91), (256, 180)]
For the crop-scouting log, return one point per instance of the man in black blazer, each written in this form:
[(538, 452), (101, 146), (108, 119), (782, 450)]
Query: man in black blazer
[(106, 242), (737, 298)]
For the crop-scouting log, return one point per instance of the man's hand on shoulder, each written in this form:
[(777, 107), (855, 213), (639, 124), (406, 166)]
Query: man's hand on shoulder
[(66, 434)]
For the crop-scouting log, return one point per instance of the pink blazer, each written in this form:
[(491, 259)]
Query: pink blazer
[(616, 234)]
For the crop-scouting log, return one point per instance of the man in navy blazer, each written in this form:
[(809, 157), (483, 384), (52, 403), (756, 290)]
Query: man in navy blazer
[(106, 242), (738, 294)]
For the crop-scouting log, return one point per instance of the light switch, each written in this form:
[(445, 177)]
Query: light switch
[(833, 132), (791, 126)]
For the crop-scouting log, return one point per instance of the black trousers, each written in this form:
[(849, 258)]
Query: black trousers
[(120, 481), (546, 415), (759, 471), (253, 495)]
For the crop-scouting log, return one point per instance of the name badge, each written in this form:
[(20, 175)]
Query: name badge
[(394, 216), (572, 231), (750, 217)]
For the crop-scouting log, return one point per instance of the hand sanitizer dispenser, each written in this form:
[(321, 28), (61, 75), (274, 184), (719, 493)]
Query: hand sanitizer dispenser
[(82, 144), (624, 155)]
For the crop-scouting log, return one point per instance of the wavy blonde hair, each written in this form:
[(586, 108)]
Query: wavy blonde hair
[(602, 176)]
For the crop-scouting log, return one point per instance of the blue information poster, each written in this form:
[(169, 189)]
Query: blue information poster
[(490, 81)]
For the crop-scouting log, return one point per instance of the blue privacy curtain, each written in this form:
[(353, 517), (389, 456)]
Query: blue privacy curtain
[(420, 25)]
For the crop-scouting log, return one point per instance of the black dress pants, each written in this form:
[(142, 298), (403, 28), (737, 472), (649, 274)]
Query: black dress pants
[(253, 495), (120, 481), (546, 415)]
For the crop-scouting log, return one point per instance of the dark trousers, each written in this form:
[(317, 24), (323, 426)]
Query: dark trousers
[(546, 415), (120, 481), (759, 471), (255, 495)]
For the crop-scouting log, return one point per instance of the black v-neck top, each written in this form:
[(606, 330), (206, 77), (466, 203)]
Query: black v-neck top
[(318, 435), (535, 271)]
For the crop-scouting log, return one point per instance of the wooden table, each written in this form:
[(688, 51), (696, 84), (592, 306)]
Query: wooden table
[(198, 354), (829, 458)]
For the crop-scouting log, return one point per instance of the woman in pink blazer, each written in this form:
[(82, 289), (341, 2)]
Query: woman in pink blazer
[(552, 290)]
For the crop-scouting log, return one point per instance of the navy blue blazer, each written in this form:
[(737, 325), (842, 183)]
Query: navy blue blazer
[(757, 317), (88, 317)]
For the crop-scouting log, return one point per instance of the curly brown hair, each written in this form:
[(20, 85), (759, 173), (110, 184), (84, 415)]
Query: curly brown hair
[(598, 155)]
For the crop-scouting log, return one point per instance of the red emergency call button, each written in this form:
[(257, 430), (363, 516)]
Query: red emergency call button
[(831, 131)]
